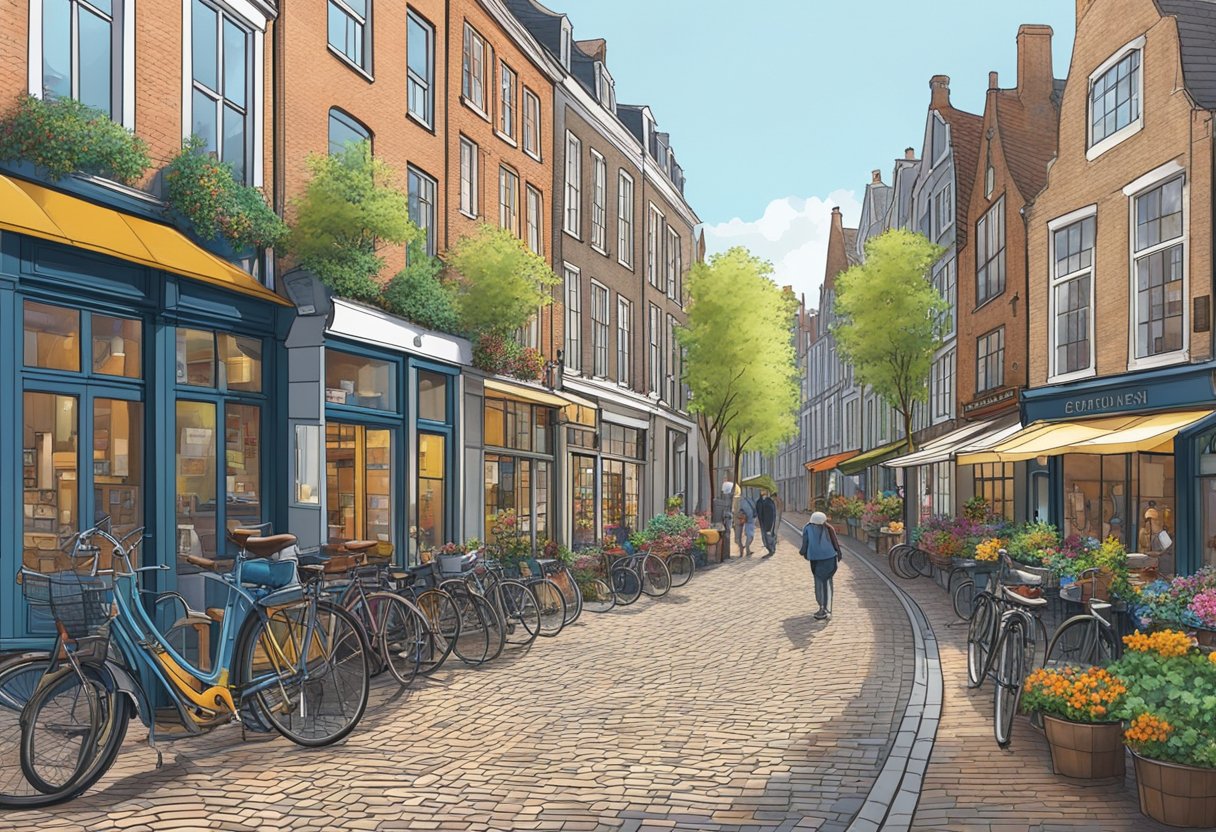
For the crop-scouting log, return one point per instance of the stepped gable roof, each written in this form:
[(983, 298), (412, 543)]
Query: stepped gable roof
[(1028, 140), (966, 132)]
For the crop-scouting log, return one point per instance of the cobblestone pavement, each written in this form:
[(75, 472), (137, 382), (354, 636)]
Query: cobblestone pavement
[(722, 707), (971, 785)]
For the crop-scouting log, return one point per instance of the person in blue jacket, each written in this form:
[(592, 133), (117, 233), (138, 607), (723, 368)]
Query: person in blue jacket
[(821, 548)]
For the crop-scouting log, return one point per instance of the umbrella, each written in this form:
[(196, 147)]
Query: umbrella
[(763, 481)]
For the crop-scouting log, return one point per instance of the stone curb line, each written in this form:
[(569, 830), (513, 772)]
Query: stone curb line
[(891, 803)]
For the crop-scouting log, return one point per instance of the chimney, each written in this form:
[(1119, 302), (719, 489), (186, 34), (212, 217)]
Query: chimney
[(876, 177), (1036, 80), (994, 81), (910, 154), (837, 219), (595, 48), (939, 86)]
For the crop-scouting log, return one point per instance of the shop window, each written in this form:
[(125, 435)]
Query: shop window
[(520, 485), (242, 464), (1096, 496), (677, 465), (239, 364), (583, 502), (517, 425), (431, 523), (359, 478), (1155, 503), (195, 357), (581, 438), (308, 465), (620, 489), (994, 482), (432, 396), (619, 440), (117, 346), (1207, 498), (197, 500), (357, 381), (50, 436), (52, 337)]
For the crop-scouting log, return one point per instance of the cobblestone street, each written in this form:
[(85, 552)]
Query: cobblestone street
[(722, 707)]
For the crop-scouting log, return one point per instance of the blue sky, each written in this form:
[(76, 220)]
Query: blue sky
[(779, 109)]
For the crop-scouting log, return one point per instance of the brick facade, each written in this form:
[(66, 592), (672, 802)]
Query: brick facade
[(1174, 131)]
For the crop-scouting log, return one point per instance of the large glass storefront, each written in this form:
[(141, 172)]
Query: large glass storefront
[(624, 450), (1127, 496), (519, 465)]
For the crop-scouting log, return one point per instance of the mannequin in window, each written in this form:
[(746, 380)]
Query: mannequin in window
[(1074, 510), (1150, 528)]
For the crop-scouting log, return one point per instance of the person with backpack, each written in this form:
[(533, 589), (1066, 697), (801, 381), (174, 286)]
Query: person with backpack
[(745, 526), (821, 548)]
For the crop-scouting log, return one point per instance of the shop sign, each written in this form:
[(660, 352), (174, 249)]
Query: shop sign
[(991, 400), (1166, 389), (1106, 402)]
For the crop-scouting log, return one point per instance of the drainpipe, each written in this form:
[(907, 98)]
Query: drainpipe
[(278, 186)]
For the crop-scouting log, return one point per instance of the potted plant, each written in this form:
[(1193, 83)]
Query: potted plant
[(1076, 704), (853, 509), (674, 504), (1171, 733), (1030, 545), (510, 546), (1108, 557)]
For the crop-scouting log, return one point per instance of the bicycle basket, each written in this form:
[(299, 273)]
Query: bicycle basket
[(81, 604)]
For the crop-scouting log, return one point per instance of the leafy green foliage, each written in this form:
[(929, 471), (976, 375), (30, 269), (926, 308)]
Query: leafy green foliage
[(1181, 690), (202, 189), (418, 292), (740, 363), (350, 207), (889, 319), (503, 355), (63, 136), (499, 283)]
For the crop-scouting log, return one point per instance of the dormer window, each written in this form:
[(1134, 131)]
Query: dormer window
[(567, 38), (605, 87)]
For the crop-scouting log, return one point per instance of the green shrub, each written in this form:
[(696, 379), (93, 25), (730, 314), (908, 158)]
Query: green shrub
[(63, 136), (419, 294), (501, 283), (202, 189)]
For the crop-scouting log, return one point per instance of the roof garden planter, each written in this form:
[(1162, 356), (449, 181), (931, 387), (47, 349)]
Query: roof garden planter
[(1176, 795), (61, 136), (1086, 751)]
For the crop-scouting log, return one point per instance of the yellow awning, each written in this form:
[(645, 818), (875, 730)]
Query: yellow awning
[(1104, 435), (496, 389), (26, 208), (580, 411)]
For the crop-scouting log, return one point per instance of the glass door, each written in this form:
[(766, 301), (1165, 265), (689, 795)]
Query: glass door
[(431, 523), (359, 484)]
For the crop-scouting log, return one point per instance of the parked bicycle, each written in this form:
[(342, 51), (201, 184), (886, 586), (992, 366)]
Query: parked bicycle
[(1086, 639), (909, 562), (634, 574), (1003, 635), (511, 601)]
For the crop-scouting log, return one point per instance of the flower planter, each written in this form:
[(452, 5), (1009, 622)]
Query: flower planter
[(1176, 795), (1206, 638), (1087, 751), (942, 562)]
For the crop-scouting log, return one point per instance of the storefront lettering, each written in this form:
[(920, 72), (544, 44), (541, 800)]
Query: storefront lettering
[(1113, 401)]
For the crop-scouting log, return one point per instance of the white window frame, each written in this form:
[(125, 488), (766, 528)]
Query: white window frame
[(671, 262), (939, 122), (470, 178), (572, 215), (654, 340), (945, 280), (624, 341), (573, 354), (599, 202), (364, 22), (473, 71), (123, 69), (531, 126), (1150, 181), (943, 386), (655, 222), (508, 198), (625, 216), (534, 209), (429, 208), (427, 84), (943, 220), (670, 365), (987, 347), (508, 88), (1054, 281), (600, 329), (1096, 149)]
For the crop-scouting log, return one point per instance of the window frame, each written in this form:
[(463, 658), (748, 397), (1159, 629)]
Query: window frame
[(625, 225), (599, 202), (350, 122), (988, 359), (252, 110), (364, 23), (122, 56), (573, 343), (534, 222), (473, 181), (1152, 181), (986, 259), (600, 329), (507, 78), (473, 70), (654, 343), (531, 124), (624, 341), (672, 262), (1056, 281), (572, 207), (1094, 149), (508, 175), (411, 79), (940, 227), (655, 223), (429, 182)]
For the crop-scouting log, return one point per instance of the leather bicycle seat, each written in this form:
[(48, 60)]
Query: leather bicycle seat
[(360, 545), (207, 563), (1017, 576), (239, 536), (341, 564), (1018, 598), (264, 547)]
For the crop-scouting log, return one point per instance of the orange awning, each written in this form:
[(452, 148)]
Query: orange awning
[(827, 463), (27, 208)]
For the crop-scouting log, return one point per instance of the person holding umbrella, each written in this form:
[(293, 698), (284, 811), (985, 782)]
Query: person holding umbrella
[(766, 515)]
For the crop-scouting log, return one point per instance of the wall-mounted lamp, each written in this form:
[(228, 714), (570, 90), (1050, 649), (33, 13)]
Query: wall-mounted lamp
[(417, 340), (1041, 460)]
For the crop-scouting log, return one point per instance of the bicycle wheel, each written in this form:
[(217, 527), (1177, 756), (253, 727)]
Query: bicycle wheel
[(981, 632), (570, 594), (897, 560), (656, 579), (1011, 673), (681, 566), (65, 725), (625, 584), (520, 612), (963, 598), (494, 624), (473, 633), (310, 673), (443, 628), (918, 562), (19, 681), (1081, 640), (552, 606), (597, 595), (402, 636)]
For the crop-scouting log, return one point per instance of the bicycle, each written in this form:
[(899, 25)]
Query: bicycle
[(481, 631), (680, 567), (550, 599), (559, 573), (1085, 639), (637, 573), (287, 659), (441, 613), (1002, 635), (908, 562), (962, 597)]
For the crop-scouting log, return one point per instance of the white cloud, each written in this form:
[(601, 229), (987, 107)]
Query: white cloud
[(792, 234)]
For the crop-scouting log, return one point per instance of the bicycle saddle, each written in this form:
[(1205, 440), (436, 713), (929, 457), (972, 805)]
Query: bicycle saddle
[(1018, 598), (264, 547), (341, 564), (360, 545), (239, 536), (1017, 576)]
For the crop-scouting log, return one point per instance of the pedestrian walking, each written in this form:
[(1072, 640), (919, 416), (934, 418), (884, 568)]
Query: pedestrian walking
[(745, 526), (766, 516), (821, 548)]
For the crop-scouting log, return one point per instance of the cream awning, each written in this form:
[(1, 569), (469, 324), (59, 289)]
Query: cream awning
[(944, 448), (496, 389), (1103, 435)]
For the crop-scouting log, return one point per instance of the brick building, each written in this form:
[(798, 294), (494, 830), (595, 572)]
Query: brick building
[(1119, 242)]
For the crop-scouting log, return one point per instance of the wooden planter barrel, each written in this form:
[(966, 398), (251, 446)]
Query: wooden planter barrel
[(1176, 795), (1084, 750)]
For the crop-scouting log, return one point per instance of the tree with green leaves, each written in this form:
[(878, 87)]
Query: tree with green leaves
[(499, 283), (740, 364), (419, 292), (350, 208), (889, 319)]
